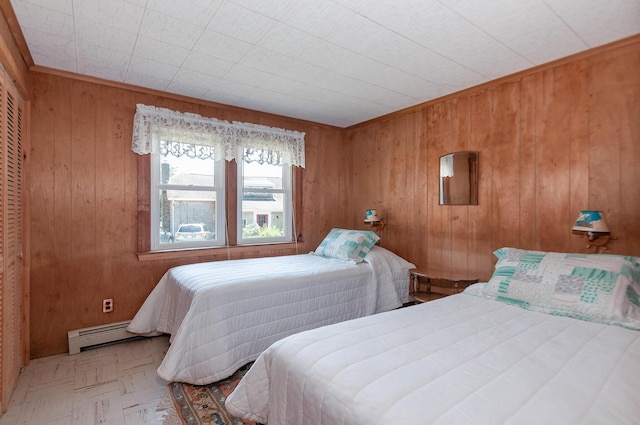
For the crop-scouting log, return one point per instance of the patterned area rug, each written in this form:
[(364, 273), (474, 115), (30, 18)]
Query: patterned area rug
[(204, 404)]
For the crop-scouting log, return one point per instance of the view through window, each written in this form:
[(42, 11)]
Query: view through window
[(189, 206)]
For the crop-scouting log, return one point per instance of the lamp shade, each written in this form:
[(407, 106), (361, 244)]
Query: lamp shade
[(371, 216), (591, 221)]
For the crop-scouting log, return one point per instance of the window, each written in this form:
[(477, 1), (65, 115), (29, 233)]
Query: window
[(262, 219), (187, 197), (264, 202), (213, 183), (187, 194)]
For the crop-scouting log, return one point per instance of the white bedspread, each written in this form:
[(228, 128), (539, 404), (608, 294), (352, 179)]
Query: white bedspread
[(459, 360), (222, 315)]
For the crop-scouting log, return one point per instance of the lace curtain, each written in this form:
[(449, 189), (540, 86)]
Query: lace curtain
[(159, 129)]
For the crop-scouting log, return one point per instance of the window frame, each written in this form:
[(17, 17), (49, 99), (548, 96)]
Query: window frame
[(144, 252), (286, 190), (218, 189)]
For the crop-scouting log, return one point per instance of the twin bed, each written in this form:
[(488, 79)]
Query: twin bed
[(551, 339), (222, 315)]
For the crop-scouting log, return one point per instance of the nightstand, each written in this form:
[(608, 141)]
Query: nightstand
[(448, 283)]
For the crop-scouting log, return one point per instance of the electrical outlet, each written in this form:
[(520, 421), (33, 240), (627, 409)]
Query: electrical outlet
[(107, 305)]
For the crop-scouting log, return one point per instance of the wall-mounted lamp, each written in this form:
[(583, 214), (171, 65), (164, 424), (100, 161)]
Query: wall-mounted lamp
[(371, 217), (593, 225)]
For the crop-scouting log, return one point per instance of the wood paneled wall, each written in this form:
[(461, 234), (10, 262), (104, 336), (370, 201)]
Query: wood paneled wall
[(552, 141), (84, 202)]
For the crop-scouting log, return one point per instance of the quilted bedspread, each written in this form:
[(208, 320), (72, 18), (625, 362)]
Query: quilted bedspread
[(459, 360), (222, 315)]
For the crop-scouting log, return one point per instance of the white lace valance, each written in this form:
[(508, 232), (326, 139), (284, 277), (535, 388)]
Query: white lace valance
[(259, 143), (264, 144)]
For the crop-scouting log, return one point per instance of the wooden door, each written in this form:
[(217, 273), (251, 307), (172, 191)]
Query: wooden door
[(13, 327)]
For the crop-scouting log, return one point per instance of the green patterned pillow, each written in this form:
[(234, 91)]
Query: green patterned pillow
[(595, 287), (347, 244)]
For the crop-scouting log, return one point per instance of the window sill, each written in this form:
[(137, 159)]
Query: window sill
[(223, 252)]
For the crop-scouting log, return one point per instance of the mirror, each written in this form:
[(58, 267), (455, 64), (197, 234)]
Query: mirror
[(459, 178)]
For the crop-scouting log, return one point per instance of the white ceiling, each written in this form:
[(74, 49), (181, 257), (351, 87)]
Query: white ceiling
[(339, 62)]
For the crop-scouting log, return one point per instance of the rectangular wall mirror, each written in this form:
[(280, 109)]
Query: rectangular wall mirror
[(459, 178)]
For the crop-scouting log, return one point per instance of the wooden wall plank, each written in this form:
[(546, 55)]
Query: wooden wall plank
[(614, 130), (527, 228), (437, 222), (563, 128), (504, 137), (629, 115), (578, 107), (460, 141), (399, 140), (481, 233)]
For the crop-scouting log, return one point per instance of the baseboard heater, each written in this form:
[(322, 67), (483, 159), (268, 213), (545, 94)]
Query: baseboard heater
[(98, 336)]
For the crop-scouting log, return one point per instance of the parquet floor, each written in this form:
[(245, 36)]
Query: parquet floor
[(111, 385)]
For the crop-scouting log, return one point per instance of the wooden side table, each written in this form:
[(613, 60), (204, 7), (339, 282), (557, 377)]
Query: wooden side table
[(458, 284)]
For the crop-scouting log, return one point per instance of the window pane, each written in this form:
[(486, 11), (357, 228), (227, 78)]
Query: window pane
[(265, 176), (263, 203), (187, 171), (188, 215), (263, 218)]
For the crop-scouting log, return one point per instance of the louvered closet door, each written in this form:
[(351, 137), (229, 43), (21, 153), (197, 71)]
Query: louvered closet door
[(11, 237)]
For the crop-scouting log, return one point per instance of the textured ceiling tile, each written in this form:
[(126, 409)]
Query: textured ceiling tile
[(443, 34), (206, 64), (433, 67), (354, 65), (529, 28), (160, 51), (169, 30), (221, 46), (276, 83), (195, 79), (197, 12), (150, 81), (214, 95), (362, 90), (186, 89), (92, 35), (240, 23), (259, 79), (63, 6), (34, 18), (267, 60), (232, 93), (270, 8), (322, 19), (309, 74), (144, 66), (594, 21), (289, 41), (56, 54), (114, 13), (102, 63)]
